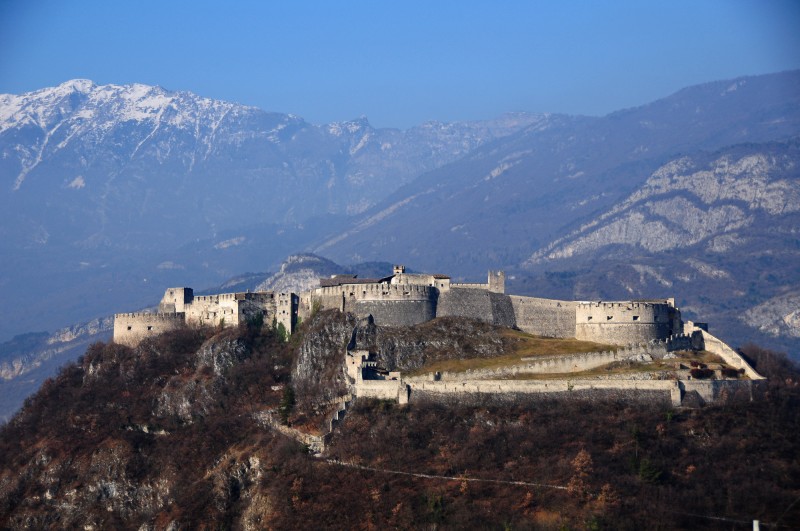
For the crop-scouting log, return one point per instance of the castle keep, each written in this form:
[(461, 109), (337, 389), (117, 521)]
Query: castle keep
[(404, 299)]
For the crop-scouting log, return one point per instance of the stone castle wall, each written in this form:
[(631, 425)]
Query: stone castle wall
[(667, 389), (478, 304), (131, 328), (389, 304), (224, 309), (408, 299), (230, 309), (544, 317), (624, 323), (716, 346)]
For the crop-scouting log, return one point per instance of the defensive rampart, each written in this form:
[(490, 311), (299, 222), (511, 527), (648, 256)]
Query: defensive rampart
[(715, 346), (624, 323), (389, 304), (544, 317), (478, 304), (676, 392), (563, 388), (132, 328)]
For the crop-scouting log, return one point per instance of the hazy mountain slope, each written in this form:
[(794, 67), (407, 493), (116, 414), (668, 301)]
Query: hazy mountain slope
[(105, 188), (28, 359), (720, 231), (504, 201)]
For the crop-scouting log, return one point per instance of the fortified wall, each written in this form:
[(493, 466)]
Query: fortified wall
[(132, 328), (627, 322), (181, 307), (404, 299)]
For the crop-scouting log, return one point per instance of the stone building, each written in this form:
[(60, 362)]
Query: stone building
[(404, 299), (180, 307)]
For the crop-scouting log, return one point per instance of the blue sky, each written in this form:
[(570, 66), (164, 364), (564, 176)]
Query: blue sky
[(400, 63)]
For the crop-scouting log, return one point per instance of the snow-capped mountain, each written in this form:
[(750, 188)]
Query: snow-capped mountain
[(109, 183)]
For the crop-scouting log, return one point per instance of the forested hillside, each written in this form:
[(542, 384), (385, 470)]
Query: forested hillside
[(172, 433)]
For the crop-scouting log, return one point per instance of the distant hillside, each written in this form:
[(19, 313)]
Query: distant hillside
[(28, 360), (173, 435), (718, 230), (506, 201), (693, 196), (107, 187)]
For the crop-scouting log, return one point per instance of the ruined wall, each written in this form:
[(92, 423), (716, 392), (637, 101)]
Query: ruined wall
[(544, 317), (131, 328), (213, 310), (286, 309), (691, 341), (623, 323)]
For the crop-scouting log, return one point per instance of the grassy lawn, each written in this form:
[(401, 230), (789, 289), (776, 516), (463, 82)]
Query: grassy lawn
[(520, 345)]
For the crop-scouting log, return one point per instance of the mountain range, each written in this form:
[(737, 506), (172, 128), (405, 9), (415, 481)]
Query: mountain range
[(111, 193), (106, 188)]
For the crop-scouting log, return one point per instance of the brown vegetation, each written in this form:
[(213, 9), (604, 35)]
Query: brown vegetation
[(169, 433)]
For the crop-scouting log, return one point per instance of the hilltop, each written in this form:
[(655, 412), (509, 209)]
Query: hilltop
[(174, 433), (147, 187)]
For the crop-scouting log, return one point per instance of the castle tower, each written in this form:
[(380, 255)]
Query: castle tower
[(399, 269), (286, 311), (497, 281), (175, 300)]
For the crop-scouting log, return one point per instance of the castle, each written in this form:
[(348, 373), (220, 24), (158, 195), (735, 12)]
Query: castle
[(404, 299), (647, 330)]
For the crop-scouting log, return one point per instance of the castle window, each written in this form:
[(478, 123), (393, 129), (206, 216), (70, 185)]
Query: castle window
[(609, 317), (129, 327), (149, 327), (589, 318), (635, 317)]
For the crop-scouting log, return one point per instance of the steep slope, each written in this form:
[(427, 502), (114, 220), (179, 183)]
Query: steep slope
[(718, 230), (505, 201), (174, 435)]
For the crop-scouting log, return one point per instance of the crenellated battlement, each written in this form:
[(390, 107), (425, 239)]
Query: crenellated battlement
[(411, 298), (149, 316)]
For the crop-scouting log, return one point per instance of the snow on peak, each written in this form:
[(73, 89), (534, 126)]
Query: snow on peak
[(77, 85)]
